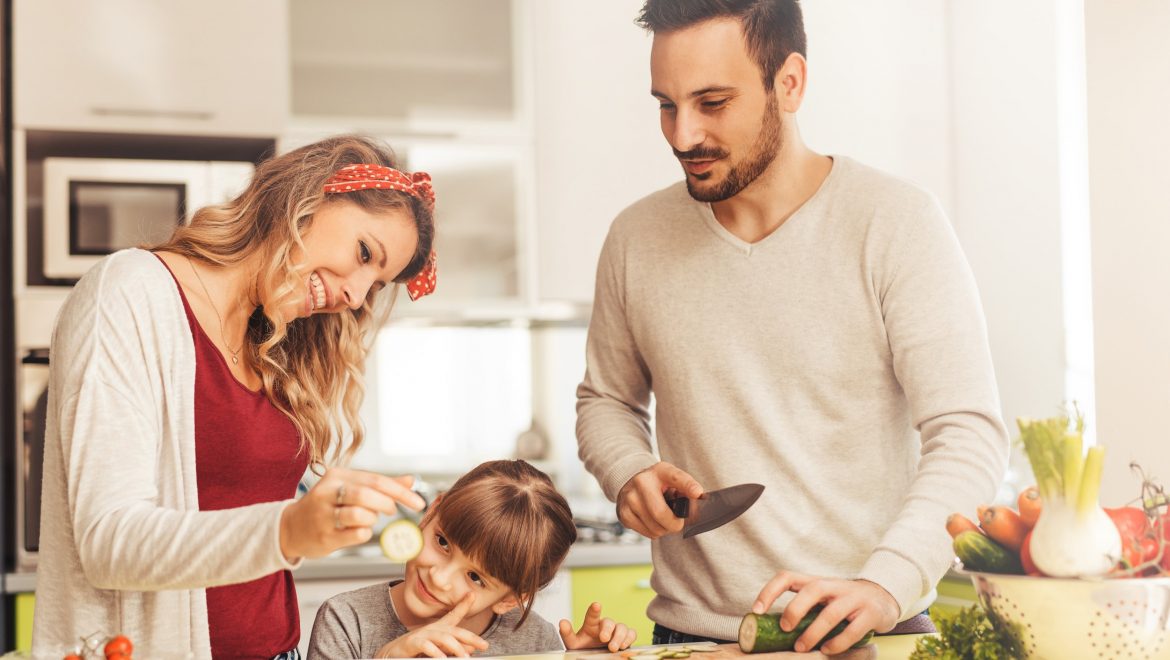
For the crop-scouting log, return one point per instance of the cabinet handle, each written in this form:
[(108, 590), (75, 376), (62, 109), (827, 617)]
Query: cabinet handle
[(642, 584), (199, 115)]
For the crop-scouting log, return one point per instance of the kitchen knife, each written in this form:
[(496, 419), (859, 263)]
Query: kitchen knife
[(714, 508)]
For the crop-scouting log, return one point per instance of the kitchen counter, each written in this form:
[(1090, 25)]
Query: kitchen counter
[(368, 562), (897, 647)]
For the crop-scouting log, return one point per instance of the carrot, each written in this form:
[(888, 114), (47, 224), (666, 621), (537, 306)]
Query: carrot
[(957, 523), (1030, 505), (1004, 525)]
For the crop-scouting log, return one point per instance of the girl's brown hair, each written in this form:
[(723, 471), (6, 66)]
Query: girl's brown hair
[(312, 368), (508, 518)]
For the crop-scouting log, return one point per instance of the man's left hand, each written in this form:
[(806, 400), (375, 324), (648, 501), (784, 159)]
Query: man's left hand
[(866, 605)]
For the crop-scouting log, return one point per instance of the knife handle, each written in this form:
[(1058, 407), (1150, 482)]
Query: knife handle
[(679, 506)]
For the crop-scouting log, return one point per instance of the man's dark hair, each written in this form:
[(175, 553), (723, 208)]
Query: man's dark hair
[(774, 29)]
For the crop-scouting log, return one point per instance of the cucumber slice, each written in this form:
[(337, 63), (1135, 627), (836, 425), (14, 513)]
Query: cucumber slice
[(401, 540)]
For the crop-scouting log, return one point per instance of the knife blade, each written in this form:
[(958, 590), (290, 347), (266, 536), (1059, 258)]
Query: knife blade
[(714, 508)]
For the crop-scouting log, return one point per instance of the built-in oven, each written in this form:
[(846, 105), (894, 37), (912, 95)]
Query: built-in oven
[(95, 206), (32, 387)]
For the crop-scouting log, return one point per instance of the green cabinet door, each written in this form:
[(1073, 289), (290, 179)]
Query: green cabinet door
[(954, 593), (623, 591), (24, 616)]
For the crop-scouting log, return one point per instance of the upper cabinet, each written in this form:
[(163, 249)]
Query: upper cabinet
[(212, 67), (447, 85), (400, 65)]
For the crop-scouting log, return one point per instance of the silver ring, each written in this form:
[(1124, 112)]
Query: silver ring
[(337, 519), (341, 495)]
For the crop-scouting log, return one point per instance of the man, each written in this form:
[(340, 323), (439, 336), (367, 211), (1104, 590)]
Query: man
[(804, 322)]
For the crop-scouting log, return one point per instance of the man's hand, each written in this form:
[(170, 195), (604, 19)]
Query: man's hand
[(596, 632), (866, 606), (641, 505), (440, 639)]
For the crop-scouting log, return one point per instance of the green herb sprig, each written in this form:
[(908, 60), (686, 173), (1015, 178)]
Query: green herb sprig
[(968, 635)]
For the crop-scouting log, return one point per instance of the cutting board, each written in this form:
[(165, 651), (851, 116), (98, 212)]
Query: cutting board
[(732, 652)]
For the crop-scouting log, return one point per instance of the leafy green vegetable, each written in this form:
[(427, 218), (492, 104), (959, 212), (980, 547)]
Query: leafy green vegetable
[(969, 635)]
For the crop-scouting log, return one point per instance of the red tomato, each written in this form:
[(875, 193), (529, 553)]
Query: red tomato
[(1026, 557), (73, 656), (1149, 549), (119, 645), (1130, 521), (118, 656)]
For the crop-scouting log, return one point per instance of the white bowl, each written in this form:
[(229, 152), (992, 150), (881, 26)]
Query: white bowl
[(1067, 619)]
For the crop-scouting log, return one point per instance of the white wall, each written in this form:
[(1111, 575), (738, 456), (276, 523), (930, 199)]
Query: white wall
[(1007, 190), (1128, 66), (878, 87), (598, 143), (963, 99)]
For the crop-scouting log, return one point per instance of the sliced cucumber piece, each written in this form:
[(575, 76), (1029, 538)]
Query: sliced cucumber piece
[(401, 540)]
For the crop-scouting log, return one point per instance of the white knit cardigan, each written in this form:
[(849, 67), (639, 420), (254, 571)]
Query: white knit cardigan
[(124, 547)]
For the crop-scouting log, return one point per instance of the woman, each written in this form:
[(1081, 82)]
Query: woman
[(190, 388)]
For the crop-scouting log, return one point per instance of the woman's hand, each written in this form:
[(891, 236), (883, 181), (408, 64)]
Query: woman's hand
[(596, 632), (340, 510), (440, 639)]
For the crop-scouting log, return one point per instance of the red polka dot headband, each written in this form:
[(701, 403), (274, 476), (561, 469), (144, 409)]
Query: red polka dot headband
[(418, 184)]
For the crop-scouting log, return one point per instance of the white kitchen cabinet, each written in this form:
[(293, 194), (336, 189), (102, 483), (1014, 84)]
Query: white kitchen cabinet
[(421, 65), (598, 143), (206, 67)]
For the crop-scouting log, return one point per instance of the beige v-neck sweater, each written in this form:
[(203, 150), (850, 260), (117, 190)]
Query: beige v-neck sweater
[(124, 547), (842, 362)]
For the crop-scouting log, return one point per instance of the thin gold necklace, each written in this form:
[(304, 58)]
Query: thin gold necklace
[(222, 335)]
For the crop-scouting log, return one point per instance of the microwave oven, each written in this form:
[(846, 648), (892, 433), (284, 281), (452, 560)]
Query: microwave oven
[(95, 206)]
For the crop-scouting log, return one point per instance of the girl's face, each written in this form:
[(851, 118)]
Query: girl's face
[(441, 575), (348, 251)]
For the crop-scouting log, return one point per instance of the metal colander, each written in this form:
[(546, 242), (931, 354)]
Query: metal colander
[(1070, 619)]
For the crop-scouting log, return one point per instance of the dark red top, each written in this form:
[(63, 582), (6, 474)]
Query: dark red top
[(246, 452)]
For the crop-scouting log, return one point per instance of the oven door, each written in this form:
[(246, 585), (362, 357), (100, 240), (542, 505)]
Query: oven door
[(32, 383), (95, 206)]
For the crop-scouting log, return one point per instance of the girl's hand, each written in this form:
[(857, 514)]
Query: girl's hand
[(340, 510), (440, 639), (596, 632)]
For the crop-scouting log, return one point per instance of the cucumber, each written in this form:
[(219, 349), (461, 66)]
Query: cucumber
[(761, 633), (979, 553), (401, 540)]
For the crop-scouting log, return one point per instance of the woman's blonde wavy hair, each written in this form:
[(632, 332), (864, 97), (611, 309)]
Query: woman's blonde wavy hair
[(312, 368)]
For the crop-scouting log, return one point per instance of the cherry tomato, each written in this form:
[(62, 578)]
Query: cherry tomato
[(118, 656), (73, 656), (119, 645)]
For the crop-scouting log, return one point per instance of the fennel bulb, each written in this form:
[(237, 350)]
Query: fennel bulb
[(1073, 537)]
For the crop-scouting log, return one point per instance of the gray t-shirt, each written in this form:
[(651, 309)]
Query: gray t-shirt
[(357, 623)]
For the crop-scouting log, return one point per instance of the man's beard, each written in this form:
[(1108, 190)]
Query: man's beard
[(767, 145)]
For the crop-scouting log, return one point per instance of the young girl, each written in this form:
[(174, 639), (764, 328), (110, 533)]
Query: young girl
[(489, 544)]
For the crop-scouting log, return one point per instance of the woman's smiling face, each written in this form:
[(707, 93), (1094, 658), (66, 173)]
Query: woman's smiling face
[(349, 250)]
